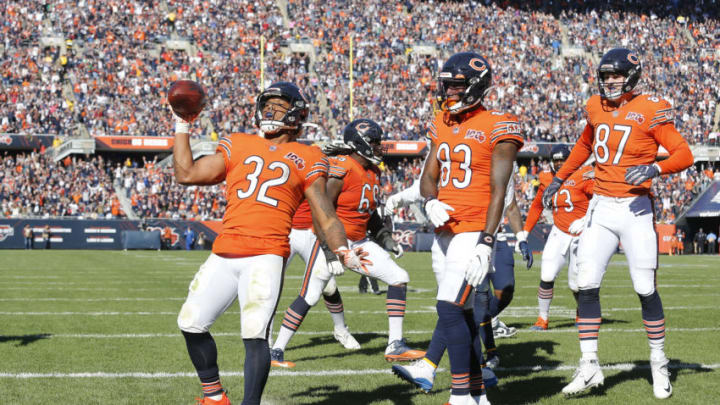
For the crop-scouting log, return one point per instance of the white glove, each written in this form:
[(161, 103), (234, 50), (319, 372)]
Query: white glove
[(390, 205), (479, 264), (354, 259), (577, 226), (437, 212), (335, 268), (520, 237)]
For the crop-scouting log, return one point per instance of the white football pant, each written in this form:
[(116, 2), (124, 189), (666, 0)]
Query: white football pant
[(560, 248), (628, 221), (301, 243), (255, 281), (451, 253)]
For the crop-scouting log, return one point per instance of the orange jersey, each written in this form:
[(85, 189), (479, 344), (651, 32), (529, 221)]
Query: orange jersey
[(572, 199), (265, 184), (303, 217), (358, 197), (625, 137), (464, 153)]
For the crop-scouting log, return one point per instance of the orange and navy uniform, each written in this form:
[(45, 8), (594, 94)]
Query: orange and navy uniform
[(536, 208), (359, 194), (266, 182), (464, 152), (303, 217), (624, 137), (571, 201)]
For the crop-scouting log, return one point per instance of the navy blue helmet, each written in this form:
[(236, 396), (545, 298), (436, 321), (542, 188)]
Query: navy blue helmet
[(364, 136), (558, 156), (469, 70), (620, 61), (295, 115)]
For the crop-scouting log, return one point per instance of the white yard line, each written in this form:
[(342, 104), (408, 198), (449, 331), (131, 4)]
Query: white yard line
[(328, 332), (519, 312), (335, 373)]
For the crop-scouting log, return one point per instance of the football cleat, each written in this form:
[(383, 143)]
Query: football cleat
[(540, 324), (587, 376), (489, 377), (661, 377), (277, 359), (207, 401), (492, 361), (343, 336), (398, 350), (481, 400), (420, 373), (500, 330)]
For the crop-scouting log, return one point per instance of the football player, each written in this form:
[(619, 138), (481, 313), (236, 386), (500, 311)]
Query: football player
[(464, 182), (267, 178), (354, 186), (302, 242), (624, 130), (569, 207)]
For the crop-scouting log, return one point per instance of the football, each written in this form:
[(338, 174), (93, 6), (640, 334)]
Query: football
[(187, 98)]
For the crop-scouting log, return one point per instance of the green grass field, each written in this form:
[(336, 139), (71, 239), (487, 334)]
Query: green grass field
[(100, 328)]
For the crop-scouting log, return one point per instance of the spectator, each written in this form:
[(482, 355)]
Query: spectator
[(711, 241), (699, 242), (201, 241), (46, 237), (28, 235), (166, 240), (189, 236)]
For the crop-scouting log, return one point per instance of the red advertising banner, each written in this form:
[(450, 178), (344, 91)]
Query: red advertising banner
[(405, 148), (134, 143), (665, 234)]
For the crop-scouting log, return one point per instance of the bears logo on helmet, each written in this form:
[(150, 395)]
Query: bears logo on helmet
[(364, 136), (619, 61), (469, 71)]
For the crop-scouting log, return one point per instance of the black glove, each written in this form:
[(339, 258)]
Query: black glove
[(550, 191)]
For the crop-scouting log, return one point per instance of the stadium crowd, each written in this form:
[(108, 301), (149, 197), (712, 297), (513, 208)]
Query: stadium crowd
[(120, 60), (33, 185)]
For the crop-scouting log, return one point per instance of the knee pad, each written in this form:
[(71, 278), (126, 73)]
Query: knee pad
[(643, 281), (188, 319)]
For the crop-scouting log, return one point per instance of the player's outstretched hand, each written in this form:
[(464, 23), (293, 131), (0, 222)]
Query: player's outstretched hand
[(397, 251), (479, 264), (437, 212), (637, 175), (550, 191), (390, 205), (354, 259), (522, 247)]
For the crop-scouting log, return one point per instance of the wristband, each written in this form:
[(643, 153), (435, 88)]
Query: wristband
[(521, 236), (486, 239), (182, 127)]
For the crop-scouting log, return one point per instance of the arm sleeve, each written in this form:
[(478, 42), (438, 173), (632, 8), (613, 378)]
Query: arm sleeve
[(507, 130), (680, 155), (535, 211), (318, 169), (580, 152), (336, 171), (588, 187), (410, 194)]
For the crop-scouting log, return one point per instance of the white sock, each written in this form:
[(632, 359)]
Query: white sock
[(283, 338), (395, 331), (459, 399), (338, 319), (657, 354), (590, 355), (544, 307)]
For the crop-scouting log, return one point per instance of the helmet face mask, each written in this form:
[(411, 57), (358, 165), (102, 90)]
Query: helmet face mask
[(618, 62), (270, 104), (463, 70), (364, 136), (558, 156)]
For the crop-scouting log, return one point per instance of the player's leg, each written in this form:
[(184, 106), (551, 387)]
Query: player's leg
[(211, 292), (314, 281), (554, 256), (639, 241), (421, 373), (483, 320), (503, 283), (334, 304), (454, 296), (573, 272), (258, 292), (597, 244), (385, 269)]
